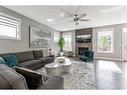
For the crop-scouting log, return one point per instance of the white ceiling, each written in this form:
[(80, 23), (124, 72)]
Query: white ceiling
[(98, 15)]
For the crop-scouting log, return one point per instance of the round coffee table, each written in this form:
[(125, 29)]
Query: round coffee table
[(57, 68)]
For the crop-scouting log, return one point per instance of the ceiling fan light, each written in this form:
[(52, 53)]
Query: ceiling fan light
[(62, 14), (50, 19), (76, 22)]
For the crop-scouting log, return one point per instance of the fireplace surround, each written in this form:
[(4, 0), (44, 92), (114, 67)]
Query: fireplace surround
[(81, 50), (82, 45)]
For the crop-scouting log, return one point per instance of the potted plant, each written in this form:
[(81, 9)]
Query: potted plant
[(61, 45)]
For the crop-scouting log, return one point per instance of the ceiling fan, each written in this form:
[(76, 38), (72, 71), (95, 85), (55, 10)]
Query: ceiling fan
[(76, 16)]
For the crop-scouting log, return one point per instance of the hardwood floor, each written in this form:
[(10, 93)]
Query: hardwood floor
[(110, 74)]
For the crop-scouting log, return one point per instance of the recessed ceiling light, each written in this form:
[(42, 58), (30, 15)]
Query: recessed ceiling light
[(62, 14), (50, 19)]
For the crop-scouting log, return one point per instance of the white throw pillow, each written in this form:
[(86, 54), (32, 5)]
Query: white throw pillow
[(46, 52)]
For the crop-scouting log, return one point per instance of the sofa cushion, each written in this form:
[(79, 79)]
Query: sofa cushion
[(36, 67), (4, 83), (2, 61), (24, 56), (82, 57), (10, 60), (9, 79), (87, 53), (30, 63), (46, 59), (37, 54)]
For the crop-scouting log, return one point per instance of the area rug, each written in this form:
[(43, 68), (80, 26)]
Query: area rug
[(81, 76)]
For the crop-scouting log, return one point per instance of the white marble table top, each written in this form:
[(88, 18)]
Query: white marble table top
[(57, 64)]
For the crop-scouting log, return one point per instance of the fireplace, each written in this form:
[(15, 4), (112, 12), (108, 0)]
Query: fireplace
[(82, 49)]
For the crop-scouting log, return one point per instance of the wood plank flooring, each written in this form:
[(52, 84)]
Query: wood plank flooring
[(110, 74)]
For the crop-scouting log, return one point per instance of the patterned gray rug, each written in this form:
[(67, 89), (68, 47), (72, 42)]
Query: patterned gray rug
[(81, 76)]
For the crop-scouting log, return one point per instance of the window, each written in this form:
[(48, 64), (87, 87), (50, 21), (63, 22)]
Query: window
[(9, 27), (56, 37), (105, 41), (68, 41)]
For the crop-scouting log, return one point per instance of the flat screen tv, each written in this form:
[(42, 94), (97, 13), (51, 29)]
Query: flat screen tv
[(83, 39)]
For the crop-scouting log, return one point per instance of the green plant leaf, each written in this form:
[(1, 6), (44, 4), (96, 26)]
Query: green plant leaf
[(61, 42)]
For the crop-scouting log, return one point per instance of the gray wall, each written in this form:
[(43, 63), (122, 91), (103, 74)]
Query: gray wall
[(23, 44), (117, 54)]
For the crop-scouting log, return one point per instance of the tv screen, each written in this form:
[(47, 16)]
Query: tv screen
[(83, 39)]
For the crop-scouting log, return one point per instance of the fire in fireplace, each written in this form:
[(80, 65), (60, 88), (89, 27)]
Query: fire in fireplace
[(82, 49)]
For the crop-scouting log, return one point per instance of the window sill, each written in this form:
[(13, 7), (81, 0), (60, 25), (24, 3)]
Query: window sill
[(9, 38)]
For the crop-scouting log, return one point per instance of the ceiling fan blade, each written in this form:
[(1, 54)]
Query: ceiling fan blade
[(84, 20), (82, 15), (69, 14), (70, 21), (78, 8)]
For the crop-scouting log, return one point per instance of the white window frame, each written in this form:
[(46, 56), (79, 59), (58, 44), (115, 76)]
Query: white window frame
[(18, 28), (112, 40), (124, 44)]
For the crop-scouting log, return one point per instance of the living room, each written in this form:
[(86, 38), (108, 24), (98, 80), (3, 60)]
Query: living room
[(63, 47)]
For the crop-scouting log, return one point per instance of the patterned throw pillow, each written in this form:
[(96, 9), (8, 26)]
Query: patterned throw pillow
[(10, 60), (46, 52), (2, 61)]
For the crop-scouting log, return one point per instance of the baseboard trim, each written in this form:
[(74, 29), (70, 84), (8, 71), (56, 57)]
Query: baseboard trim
[(108, 58)]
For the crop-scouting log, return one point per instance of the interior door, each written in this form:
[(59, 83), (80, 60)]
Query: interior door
[(124, 44)]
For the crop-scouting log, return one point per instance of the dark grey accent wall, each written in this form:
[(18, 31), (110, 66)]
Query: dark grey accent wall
[(86, 31), (23, 44)]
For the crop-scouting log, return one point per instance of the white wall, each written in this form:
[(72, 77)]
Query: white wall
[(117, 54), (23, 44)]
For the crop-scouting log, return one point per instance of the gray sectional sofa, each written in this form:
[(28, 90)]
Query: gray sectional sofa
[(24, 74), (32, 59)]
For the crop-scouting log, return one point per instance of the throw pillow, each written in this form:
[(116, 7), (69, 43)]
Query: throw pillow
[(51, 52), (11, 79), (10, 60), (46, 52), (2, 61)]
